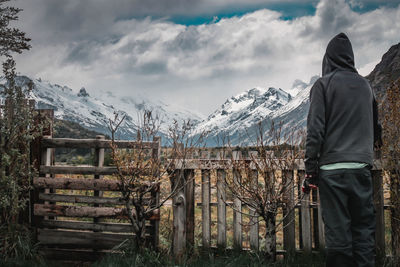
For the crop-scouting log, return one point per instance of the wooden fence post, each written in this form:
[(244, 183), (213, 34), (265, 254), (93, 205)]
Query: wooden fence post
[(254, 226), (189, 201), (44, 117), (206, 208), (321, 227), (315, 220), (221, 212), (155, 194), (289, 241), (237, 215), (179, 240), (98, 162), (306, 223), (300, 175)]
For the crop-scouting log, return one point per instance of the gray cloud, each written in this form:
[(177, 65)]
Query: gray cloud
[(110, 45)]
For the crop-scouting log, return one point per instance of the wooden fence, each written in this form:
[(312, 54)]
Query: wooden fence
[(71, 222), (72, 225), (308, 232)]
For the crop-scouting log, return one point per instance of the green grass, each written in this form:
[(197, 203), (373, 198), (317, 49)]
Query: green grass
[(223, 258), (198, 259)]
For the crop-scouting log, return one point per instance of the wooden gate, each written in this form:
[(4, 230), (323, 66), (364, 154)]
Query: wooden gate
[(78, 212)]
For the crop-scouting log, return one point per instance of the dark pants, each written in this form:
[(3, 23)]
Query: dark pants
[(349, 217)]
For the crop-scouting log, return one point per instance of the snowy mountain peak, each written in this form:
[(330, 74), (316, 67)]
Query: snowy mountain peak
[(241, 113), (244, 110), (94, 112)]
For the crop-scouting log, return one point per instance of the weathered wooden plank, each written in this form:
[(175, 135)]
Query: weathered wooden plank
[(179, 239), (306, 223), (227, 164), (91, 170), (46, 161), (95, 143), (80, 211), (98, 162), (206, 208), (79, 239), (78, 170), (254, 229), (237, 213), (89, 226), (221, 210), (85, 199), (76, 184), (379, 208), (81, 199), (321, 226), (155, 194), (296, 206), (315, 221), (299, 179), (289, 241), (189, 198)]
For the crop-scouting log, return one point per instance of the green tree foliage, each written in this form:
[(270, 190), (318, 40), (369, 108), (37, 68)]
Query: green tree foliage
[(16, 132), (11, 39)]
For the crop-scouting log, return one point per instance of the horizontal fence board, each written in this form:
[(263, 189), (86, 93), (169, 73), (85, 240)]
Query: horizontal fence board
[(84, 170), (81, 199), (75, 239), (78, 170), (76, 184), (85, 199), (230, 203), (95, 143), (221, 164), (89, 226), (79, 211), (229, 164)]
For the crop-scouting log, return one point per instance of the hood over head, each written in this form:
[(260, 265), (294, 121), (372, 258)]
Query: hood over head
[(339, 55)]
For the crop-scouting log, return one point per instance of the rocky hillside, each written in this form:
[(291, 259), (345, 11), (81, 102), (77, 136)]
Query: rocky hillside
[(387, 71)]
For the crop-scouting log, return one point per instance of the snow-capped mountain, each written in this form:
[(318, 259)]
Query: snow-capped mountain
[(239, 116), (94, 113)]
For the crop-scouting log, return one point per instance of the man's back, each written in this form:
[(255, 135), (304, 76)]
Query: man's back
[(349, 120), (340, 123)]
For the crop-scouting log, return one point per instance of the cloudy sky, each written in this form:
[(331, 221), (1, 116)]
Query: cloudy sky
[(196, 53)]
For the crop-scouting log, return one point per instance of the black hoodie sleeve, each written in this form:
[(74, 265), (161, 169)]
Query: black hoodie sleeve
[(315, 127), (377, 126)]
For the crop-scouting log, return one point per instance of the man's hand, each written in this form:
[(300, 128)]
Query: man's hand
[(310, 182)]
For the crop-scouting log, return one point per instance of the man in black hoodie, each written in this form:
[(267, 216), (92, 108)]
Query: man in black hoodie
[(342, 128)]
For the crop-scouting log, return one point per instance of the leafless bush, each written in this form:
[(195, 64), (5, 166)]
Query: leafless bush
[(141, 172), (264, 181)]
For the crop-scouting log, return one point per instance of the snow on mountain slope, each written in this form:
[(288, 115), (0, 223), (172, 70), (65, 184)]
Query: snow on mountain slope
[(239, 116), (241, 112), (94, 113)]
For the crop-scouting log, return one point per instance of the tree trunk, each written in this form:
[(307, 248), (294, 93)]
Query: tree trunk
[(270, 236)]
